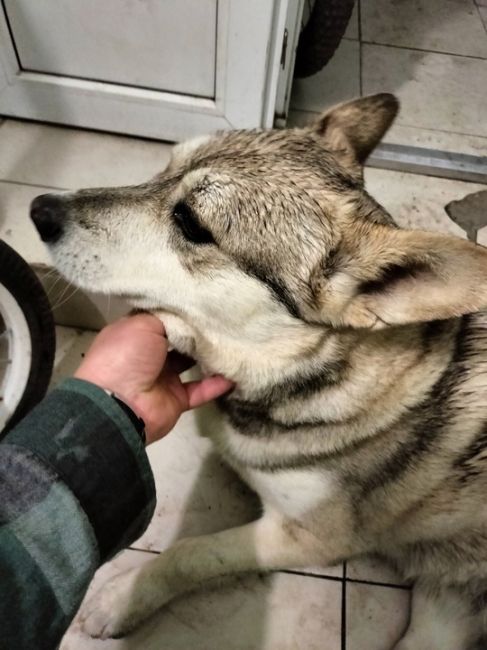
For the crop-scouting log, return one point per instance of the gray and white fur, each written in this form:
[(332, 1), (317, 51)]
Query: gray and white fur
[(359, 351)]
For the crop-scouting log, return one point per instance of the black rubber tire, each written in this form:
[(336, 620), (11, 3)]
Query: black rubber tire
[(321, 35), (23, 285)]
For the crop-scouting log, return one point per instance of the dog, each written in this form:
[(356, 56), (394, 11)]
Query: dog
[(359, 353)]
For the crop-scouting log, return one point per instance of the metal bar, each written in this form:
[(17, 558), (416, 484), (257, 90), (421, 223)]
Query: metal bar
[(431, 162)]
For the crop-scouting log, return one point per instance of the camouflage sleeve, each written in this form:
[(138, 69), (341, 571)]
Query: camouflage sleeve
[(75, 488)]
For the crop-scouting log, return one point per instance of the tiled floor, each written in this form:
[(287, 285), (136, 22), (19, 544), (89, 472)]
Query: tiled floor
[(433, 54)]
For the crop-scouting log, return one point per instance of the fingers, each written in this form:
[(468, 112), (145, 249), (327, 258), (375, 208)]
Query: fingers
[(142, 319), (201, 392)]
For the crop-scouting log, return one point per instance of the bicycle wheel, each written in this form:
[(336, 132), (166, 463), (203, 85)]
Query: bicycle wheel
[(321, 35), (27, 338)]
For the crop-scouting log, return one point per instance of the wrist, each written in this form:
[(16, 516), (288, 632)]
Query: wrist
[(145, 405), (129, 410), (109, 386), (126, 402)]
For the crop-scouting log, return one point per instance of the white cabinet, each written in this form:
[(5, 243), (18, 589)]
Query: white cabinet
[(168, 45), (166, 69)]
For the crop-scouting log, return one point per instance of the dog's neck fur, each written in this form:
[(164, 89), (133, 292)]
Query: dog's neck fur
[(295, 355), (371, 387), (306, 374), (334, 355), (333, 375)]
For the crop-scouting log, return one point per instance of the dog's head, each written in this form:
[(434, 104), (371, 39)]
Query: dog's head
[(249, 240)]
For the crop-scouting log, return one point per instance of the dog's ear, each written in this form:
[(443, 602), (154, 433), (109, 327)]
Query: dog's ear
[(355, 128), (382, 277)]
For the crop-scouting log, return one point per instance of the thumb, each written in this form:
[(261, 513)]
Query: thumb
[(205, 390)]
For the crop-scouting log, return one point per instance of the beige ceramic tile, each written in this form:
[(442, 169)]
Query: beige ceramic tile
[(275, 612), (483, 15), (437, 91), (70, 158), (376, 616), (433, 139), (337, 81), (352, 30), (71, 345), (416, 201), (327, 572), (451, 26), (301, 118), (372, 569)]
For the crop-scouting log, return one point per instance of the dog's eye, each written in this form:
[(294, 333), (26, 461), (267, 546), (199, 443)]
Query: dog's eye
[(189, 225)]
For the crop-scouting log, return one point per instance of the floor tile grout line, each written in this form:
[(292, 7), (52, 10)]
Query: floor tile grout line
[(373, 583), (484, 24), (419, 49), (307, 574), (84, 129), (408, 126), (360, 52), (360, 70), (40, 186), (324, 576), (343, 640), (428, 128)]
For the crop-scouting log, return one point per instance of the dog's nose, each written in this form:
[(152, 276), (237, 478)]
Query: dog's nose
[(47, 212)]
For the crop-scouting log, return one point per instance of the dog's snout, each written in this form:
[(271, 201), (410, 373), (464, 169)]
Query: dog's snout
[(48, 214)]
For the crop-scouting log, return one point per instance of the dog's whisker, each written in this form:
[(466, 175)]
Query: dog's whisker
[(54, 286), (63, 293), (61, 298), (52, 272), (66, 299)]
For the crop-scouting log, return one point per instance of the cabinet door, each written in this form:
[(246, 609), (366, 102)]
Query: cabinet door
[(166, 69)]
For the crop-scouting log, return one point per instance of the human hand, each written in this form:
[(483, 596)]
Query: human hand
[(130, 358)]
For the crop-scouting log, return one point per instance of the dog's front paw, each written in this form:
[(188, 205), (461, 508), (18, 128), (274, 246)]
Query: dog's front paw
[(118, 607)]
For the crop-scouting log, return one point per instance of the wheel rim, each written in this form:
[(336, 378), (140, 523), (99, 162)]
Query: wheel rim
[(15, 355)]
